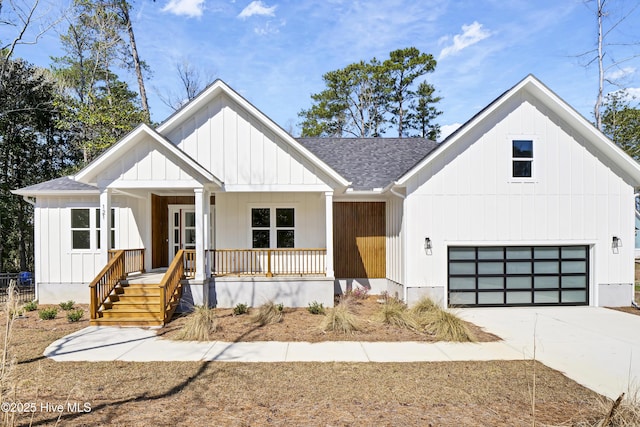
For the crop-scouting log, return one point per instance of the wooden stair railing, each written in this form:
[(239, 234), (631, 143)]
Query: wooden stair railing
[(170, 286), (121, 262)]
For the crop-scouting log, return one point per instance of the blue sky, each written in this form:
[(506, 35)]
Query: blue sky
[(274, 52)]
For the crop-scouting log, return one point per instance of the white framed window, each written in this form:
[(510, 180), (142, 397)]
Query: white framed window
[(85, 228), (112, 231), (273, 227), (80, 229), (522, 158)]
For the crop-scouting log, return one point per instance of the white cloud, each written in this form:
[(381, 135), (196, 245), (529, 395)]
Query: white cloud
[(634, 92), (257, 8), (270, 27), (471, 34), (190, 8), (620, 73), (447, 130)]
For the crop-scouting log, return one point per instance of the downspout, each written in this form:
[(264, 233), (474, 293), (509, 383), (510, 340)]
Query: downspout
[(28, 200)]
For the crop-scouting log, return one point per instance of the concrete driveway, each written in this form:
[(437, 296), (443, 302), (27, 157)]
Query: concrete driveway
[(597, 347)]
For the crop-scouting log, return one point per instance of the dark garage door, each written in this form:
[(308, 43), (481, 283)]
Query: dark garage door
[(518, 275)]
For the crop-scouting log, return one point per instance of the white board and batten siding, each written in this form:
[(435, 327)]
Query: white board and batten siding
[(468, 197), (395, 242), (233, 217), (242, 152), (146, 165), (63, 273)]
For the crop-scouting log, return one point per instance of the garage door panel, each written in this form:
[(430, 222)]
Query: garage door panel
[(518, 275)]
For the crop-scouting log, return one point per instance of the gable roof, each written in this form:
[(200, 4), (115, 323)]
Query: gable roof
[(370, 163), (219, 87), (60, 186), (554, 103), (121, 147)]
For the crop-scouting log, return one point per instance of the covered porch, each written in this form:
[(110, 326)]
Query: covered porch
[(196, 240)]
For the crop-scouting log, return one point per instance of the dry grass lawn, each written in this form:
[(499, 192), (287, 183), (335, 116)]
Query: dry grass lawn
[(291, 394)]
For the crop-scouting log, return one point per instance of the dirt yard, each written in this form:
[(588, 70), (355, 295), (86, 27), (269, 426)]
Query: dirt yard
[(279, 394)]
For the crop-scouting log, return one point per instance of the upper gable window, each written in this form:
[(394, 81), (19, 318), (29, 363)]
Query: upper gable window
[(522, 158)]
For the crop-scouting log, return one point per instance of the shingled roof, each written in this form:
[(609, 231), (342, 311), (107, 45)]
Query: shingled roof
[(370, 163), (58, 185)]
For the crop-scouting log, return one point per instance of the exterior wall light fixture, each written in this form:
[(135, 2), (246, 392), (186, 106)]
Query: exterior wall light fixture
[(427, 245)]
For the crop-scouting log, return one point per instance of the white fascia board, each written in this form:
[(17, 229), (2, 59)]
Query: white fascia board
[(55, 193), (221, 87), (104, 160), (262, 188), (185, 184)]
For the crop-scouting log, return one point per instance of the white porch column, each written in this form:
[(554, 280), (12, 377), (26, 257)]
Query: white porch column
[(207, 232), (328, 200), (105, 225), (200, 194)]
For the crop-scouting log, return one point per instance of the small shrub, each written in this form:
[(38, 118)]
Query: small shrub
[(394, 312), (240, 309), (18, 312), (66, 306), (341, 319), (316, 307), (31, 306), (75, 315), (359, 293), (200, 325), (268, 313), (48, 313)]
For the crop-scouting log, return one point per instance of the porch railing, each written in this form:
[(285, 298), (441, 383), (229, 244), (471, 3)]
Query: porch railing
[(189, 263), (121, 262), (170, 282), (268, 262), (133, 260)]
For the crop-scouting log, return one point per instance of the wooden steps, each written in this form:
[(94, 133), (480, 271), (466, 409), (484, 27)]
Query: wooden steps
[(135, 304)]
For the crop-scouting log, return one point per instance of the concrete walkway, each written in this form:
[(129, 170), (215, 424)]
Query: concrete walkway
[(597, 347)]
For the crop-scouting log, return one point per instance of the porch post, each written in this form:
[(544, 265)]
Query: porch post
[(328, 200), (105, 225), (200, 233), (207, 232)]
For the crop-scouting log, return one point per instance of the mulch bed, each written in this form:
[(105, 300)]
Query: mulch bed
[(299, 325)]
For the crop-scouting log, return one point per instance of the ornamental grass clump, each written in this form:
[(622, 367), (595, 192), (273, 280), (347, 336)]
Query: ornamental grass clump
[(424, 306), (200, 325), (341, 319), (394, 312), (623, 412), (441, 323), (8, 377), (268, 313)]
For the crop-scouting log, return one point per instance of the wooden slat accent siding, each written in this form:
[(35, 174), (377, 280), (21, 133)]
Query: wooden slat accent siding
[(359, 239)]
